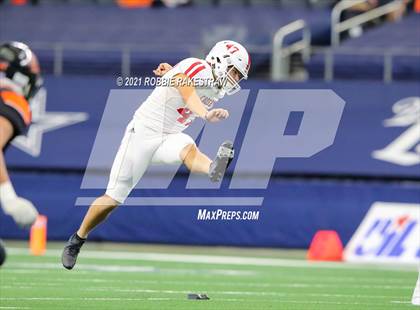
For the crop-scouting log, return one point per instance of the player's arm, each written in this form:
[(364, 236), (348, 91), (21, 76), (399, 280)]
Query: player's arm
[(188, 93)]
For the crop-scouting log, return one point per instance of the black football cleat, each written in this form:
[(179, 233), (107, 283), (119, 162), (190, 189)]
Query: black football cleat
[(2, 253), (71, 250), (222, 161)]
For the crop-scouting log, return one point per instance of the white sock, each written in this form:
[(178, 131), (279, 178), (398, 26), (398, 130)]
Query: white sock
[(7, 192)]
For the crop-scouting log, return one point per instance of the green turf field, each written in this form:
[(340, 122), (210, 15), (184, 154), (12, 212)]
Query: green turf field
[(156, 277)]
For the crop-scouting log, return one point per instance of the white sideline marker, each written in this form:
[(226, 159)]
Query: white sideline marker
[(220, 260)]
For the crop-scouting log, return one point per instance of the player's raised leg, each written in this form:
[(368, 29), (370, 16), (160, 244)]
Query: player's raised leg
[(181, 148), (198, 162), (195, 160)]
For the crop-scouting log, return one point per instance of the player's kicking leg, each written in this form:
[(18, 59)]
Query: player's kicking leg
[(197, 162), (180, 148)]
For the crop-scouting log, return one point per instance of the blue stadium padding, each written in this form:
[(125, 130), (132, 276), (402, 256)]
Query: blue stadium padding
[(360, 133), (293, 210), (392, 37)]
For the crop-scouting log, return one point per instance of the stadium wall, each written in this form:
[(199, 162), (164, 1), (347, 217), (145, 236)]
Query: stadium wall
[(334, 189)]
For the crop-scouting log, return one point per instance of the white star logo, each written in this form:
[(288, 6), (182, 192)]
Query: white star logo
[(42, 122)]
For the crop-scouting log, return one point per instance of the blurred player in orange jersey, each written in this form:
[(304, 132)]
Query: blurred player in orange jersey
[(19, 81)]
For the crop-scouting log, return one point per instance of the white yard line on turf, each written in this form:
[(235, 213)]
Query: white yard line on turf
[(129, 269), (76, 298), (90, 267), (248, 293), (220, 283), (308, 278), (283, 301), (224, 260)]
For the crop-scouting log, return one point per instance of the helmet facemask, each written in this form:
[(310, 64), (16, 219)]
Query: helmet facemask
[(230, 63), (229, 83)]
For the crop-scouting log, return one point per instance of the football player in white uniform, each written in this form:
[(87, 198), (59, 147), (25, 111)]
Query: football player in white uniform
[(155, 133)]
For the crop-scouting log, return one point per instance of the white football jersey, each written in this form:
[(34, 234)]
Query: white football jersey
[(165, 111)]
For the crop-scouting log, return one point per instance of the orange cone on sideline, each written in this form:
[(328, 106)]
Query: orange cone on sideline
[(417, 6), (131, 4), (326, 246), (38, 236)]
